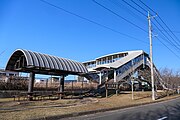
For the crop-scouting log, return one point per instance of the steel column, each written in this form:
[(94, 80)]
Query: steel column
[(31, 85)]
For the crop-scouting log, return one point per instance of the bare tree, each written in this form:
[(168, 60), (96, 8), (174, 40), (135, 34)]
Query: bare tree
[(171, 78)]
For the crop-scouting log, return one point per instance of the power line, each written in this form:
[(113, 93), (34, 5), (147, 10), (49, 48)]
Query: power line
[(169, 29), (147, 6), (169, 41), (145, 16), (166, 32), (119, 16), (91, 21), (120, 5), (127, 9), (154, 24), (166, 38), (140, 6), (161, 21), (174, 31), (134, 8), (169, 49)]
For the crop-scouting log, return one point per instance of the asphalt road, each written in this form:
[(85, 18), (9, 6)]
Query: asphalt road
[(169, 110)]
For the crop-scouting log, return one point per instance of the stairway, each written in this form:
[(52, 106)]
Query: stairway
[(157, 74)]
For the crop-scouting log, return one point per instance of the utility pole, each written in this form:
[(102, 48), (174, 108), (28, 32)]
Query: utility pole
[(151, 59)]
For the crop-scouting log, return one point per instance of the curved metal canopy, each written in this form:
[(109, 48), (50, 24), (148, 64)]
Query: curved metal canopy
[(28, 61)]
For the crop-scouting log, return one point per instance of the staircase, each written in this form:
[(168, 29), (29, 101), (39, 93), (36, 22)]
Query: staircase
[(124, 68), (157, 74)]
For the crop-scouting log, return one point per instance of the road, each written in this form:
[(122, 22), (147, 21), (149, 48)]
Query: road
[(168, 110)]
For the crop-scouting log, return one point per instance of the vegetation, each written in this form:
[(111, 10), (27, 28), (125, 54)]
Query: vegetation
[(170, 77), (22, 110)]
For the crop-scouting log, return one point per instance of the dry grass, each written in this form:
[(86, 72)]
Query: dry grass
[(5, 99), (42, 109)]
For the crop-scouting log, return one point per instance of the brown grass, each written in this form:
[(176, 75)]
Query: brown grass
[(41, 109)]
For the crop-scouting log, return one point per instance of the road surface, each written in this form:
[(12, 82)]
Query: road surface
[(168, 110)]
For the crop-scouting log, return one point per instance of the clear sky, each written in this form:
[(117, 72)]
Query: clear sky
[(37, 26)]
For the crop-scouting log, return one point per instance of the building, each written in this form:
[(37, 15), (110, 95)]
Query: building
[(4, 74)]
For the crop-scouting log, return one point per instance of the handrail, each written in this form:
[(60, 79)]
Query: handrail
[(157, 73), (127, 72)]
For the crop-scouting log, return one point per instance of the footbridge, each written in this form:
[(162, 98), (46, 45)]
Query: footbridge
[(122, 67)]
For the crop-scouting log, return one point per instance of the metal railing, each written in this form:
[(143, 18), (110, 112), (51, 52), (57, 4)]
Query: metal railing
[(157, 74)]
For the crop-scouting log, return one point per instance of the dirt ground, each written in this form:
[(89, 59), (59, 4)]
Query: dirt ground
[(22, 110)]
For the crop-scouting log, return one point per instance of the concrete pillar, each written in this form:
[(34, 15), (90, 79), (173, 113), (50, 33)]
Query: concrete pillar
[(106, 87), (115, 76), (116, 92), (31, 85), (117, 88), (100, 78), (107, 76), (82, 88)]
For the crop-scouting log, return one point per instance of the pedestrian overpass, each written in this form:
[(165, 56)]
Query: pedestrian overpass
[(122, 67)]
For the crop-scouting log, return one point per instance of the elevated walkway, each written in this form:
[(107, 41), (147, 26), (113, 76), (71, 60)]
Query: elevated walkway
[(121, 66)]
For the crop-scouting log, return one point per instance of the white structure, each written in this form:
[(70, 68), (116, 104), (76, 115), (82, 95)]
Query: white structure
[(118, 66)]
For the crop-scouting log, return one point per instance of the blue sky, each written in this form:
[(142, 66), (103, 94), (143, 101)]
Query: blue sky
[(36, 26)]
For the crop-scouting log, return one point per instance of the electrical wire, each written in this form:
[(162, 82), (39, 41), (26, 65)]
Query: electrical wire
[(169, 49), (118, 4), (119, 16), (174, 31), (161, 20), (167, 39), (139, 6), (167, 32), (134, 8), (91, 21)]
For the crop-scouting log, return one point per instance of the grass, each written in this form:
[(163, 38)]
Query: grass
[(6, 99), (41, 109)]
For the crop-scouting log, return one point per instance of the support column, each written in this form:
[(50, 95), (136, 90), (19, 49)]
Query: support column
[(100, 78), (61, 86), (115, 76), (106, 92), (72, 92), (31, 85), (106, 86), (61, 89), (82, 89), (117, 86), (107, 74)]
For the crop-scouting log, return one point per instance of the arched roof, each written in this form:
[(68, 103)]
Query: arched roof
[(43, 63)]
